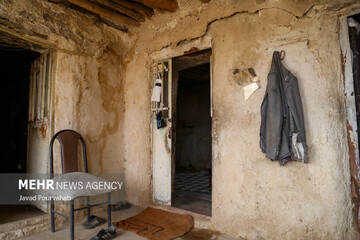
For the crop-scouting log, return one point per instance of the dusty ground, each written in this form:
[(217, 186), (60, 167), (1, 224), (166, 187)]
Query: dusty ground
[(80, 233)]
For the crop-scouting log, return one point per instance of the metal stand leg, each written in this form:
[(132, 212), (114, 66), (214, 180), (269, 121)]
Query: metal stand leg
[(109, 209), (88, 208), (52, 216), (72, 219)]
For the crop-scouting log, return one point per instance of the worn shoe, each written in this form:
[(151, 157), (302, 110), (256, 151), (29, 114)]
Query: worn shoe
[(94, 222), (105, 234)]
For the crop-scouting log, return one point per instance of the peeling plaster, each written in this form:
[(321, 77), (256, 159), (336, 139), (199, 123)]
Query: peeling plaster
[(107, 99), (314, 196)]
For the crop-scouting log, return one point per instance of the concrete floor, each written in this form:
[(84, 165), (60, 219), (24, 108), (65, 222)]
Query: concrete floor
[(82, 234), (190, 202), (192, 190)]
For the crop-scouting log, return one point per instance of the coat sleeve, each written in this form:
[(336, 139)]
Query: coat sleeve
[(263, 109), (295, 107), (297, 126), (272, 117)]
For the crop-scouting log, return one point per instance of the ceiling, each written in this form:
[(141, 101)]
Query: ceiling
[(192, 59), (200, 73), (356, 17), (120, 13), (193, 67)]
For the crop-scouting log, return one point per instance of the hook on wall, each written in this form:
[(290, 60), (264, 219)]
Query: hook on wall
[(282, 54)]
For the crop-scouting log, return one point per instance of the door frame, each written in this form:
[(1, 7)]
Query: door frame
[(33, 110), (351, 121), (161, 165), (169, 56)]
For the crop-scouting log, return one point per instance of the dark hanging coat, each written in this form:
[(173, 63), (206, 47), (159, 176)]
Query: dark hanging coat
[(282, 131)]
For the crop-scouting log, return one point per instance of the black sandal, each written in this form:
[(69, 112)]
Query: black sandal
[(103, 234), (94, 222)]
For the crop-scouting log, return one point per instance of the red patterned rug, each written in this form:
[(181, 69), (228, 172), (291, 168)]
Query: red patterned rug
[(155, 224)]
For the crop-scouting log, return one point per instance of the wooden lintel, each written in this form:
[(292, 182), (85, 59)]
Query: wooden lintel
[(102, 12), (124, 10)]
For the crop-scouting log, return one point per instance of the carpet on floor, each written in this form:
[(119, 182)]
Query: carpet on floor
[(156, 224)]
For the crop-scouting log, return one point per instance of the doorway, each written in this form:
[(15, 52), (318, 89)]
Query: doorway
[(181, 132), (15, 67), (192, 159)]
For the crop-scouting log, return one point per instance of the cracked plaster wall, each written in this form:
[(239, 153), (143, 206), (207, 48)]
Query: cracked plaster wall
[(89, 100), (106, 99), (253, 197), (87, 82)]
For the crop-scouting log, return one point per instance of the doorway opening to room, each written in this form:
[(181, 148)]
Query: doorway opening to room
[(17, 70), (181, 132), (192, 158)]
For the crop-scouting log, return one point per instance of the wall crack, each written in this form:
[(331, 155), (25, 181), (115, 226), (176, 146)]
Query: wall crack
[(184, 41)]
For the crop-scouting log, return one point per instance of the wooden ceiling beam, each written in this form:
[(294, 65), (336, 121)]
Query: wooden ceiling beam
[(107, 14), (161, 5), (144, 10), (124, 10)]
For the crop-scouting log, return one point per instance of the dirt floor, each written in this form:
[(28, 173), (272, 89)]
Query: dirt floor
[(82, 234)]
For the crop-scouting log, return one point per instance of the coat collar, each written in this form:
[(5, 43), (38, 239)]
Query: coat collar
[(277, 67)]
